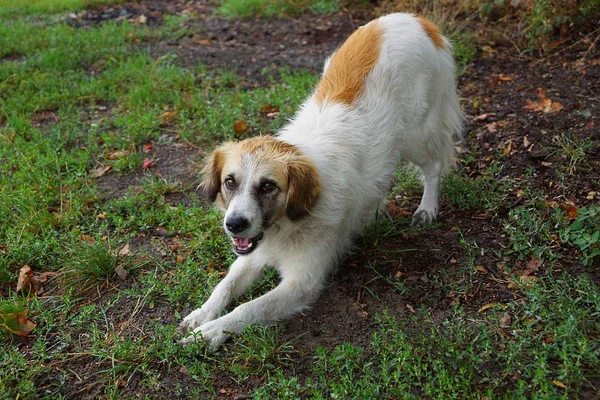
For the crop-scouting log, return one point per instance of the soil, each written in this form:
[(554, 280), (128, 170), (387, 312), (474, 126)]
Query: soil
[(495, 88)]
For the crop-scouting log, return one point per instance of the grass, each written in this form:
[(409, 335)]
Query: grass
[(234, 9), (542, 353), (76, 100)]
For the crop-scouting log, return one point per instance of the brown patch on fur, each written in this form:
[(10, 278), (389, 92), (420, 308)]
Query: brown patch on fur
[(304, 188), (433, 32), (211, 184), (344, 78)]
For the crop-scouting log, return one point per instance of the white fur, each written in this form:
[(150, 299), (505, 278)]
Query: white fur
[(409, 111)]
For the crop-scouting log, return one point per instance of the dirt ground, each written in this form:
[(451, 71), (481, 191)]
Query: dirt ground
[(495, 89)]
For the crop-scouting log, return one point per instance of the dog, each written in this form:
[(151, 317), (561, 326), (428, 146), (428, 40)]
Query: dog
[(295, 201)]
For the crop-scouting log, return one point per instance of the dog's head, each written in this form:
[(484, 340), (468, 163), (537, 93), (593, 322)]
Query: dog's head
[(256, 182)]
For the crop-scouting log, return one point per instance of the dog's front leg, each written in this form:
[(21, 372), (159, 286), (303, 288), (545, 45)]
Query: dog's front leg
[(241, 275), (291, 296)]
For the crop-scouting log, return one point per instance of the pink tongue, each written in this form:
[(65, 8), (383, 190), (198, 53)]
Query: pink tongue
[(242, 242)]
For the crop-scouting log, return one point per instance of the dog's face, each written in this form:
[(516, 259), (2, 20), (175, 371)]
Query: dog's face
[(257, 182)]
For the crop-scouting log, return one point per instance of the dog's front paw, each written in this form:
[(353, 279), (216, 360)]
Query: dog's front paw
[(422, 217), (213, 332), (197, 318)]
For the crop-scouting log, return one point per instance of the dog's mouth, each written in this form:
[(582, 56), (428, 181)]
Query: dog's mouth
[(244, 245)]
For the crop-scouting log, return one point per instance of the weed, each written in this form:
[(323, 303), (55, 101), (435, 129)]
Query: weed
[(573, 149), (478, 194), (584, 233), (95, 262), (532, 231)]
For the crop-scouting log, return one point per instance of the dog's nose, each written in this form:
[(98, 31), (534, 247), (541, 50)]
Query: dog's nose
[(236, 224)]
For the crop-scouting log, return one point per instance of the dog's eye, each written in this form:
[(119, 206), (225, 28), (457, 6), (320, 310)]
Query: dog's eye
[(268, 187), (229, 183)]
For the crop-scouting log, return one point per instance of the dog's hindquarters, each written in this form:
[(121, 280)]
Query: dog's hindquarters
[(412, 92)]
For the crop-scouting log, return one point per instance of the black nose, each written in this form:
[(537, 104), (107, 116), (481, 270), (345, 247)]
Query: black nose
[(236, 224)]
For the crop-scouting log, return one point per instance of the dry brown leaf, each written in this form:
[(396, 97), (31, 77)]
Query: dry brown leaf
[(572, 211), (591, 195), (533, 265), (481, 269), (168, 115), (507, 149), (488, 305), (240, 127), (492, 127), (26, 282), (544, 104), (125, 250), (87, 239), (17, 323), (102, 215), (410, 308), (179, 259), (506, 320), (504, 78), (121, 272), (559, 384), (113, 155), (100, 171)]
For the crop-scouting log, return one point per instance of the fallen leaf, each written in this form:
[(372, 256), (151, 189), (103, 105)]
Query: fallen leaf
[(485, 307), (124, 250), (102, 215), (100, 171), (572, 211), (240, 127), (142, 19), (591, 195), (483, 117), (113, 155), (507, 149), (410, 308), (121, 272), (148, 162), (481, 269), (533, 265), (559, 384), (504, 78), (546, 164), (492, 127), (167, 115), (147, 147), (544, 104), (87, 239), (268, 108), (506, 320), (526, 142), (17, 323), (453, 260), (179, 259), (26, 282)]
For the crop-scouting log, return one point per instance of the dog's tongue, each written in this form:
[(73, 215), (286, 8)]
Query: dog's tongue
[(242, 242)]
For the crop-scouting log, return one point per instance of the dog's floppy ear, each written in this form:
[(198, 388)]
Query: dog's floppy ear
[(304, 187), (211, 175)]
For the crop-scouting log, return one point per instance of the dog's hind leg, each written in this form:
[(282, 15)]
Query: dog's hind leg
[(428, 209)]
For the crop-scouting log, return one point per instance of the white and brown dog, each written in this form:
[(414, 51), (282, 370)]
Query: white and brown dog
[(294, 202)]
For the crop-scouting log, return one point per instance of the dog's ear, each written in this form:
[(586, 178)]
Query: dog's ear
[(211, 175), (304, 187)]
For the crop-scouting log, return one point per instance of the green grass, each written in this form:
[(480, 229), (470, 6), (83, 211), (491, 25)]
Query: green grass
[(234, 9), (465, 356), (73, 100), (38, 7)]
